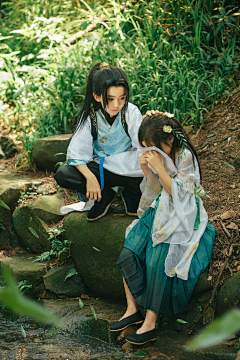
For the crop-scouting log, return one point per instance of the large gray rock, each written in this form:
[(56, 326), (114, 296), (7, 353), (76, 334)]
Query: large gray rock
[(203, 285), (95, 249), (25, 269), (26, 225), (44, 151), (54, 280), (229, 295), (47, 208), (10, 187)]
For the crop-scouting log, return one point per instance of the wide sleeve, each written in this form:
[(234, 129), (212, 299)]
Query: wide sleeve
[(151, 188), (133, 119), (176, 215), (81, 144)]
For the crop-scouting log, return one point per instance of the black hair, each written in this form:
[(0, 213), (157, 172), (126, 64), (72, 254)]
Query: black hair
[(100, 78), (151, 131)]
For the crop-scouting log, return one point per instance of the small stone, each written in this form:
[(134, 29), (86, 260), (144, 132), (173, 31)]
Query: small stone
[(233, 186), (127, 347), (215, 144)]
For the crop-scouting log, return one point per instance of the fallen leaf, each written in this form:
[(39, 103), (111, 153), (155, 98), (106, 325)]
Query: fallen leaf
[(209, 278), (84, 297), (233, 186), (238, 268), (232, 226), (227, 214)]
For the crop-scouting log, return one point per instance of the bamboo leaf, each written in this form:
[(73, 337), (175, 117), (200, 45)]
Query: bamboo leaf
[(93, 311), (181, 321), (23, 332), (2, 203), (232, 167), (81, 304), (33, 232), (95, 248)]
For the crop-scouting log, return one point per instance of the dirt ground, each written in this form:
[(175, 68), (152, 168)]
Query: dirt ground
[(218, 144)]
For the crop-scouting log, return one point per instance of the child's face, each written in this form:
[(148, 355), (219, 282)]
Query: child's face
[(167, 148), (116, 97)]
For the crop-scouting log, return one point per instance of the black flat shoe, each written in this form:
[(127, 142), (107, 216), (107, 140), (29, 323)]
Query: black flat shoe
[(134, 319), (130, 203), (140, 339), (100, 208)]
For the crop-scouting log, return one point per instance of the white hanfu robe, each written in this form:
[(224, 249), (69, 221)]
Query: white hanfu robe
[(112, 143), (175, 216)]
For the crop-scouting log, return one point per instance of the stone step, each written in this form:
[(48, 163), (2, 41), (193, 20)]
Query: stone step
[(24, 268)]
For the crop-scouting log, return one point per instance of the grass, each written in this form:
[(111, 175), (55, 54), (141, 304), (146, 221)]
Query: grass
[(180, 57)]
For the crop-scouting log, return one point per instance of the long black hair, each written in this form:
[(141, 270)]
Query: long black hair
[(100, 78), (151, 131)]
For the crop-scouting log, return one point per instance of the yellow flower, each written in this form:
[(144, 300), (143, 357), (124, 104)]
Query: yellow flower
[(172, 271), (167, 129)]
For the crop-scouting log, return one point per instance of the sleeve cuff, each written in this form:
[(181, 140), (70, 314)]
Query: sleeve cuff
[(74, 162)]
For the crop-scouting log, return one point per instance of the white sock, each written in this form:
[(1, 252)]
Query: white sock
[(80, 206)]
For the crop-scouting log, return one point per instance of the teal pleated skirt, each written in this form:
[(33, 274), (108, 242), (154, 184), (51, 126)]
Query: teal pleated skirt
[(143, 265)]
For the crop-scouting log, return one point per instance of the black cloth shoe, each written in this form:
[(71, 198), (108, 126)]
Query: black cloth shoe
[(134, 319), (130, 202), (100, 208), (140, 339)]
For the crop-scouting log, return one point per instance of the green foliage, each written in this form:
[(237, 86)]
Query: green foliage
[(81, 304), (12, 298), (180, 57), (93, 311), (24, 286), (219, 330), (59, 246), (2, 203), (71, 273)]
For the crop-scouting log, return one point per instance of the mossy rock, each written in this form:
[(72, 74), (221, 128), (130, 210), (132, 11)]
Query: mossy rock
[(95, 249), (48, 151), (32, 231), (229, 295), (47, 208)]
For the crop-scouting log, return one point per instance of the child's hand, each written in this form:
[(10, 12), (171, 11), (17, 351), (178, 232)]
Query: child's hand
[(154, 159), (93, 189), (152, 112), (144, 163)]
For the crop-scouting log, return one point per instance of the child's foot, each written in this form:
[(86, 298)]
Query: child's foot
[(100, 208), (125, 321), (143, 338)]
